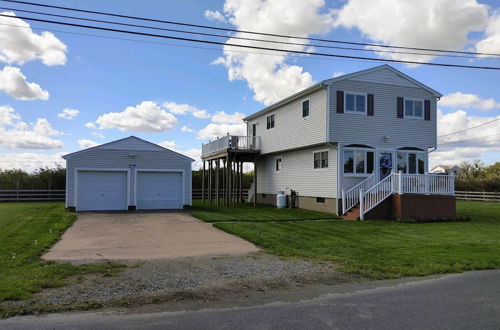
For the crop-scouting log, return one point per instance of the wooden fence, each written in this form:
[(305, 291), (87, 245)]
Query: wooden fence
[(32, 195), (478, 196)]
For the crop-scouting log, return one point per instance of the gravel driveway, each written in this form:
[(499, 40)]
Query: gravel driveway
[(132, 236)]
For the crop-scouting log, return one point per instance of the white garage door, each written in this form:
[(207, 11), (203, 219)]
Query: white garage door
[(159, 190), (101, 191)]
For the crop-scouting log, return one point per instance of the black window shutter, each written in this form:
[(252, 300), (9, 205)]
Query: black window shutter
[(340, 102), (427, 110), (370, 111), (400, 107)]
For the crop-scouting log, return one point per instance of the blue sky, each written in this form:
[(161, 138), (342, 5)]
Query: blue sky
[(182, 94)]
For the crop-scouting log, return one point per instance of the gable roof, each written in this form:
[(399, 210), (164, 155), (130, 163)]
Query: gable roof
[(128, 143), (353, 75)]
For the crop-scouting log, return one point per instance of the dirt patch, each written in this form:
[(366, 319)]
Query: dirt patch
[(180, 280)]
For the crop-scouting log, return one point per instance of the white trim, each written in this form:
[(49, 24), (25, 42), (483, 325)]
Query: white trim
[(356, 94), (321, 168), (269, 115), (302, 108), (96, 169), (413, 100), (183, 179)]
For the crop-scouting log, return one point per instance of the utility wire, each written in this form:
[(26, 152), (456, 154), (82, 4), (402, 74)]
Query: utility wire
[(464, 130), (234, 37), (467, 140), (248, 46), (243, 31)]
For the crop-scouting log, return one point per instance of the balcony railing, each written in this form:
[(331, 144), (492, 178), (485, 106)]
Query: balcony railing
[(230, 142)]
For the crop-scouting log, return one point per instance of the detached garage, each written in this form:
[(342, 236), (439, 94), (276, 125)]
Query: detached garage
[(127, 174)]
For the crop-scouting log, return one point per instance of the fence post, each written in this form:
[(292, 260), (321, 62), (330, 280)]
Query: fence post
[(427, 177), (361, 204), (400, 182), (343, 200), (452, 185)]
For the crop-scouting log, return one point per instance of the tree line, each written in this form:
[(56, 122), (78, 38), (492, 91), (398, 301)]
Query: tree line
[(476, 176)]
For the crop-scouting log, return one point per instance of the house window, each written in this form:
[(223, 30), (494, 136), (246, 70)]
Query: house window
[(278, 166), (270, 121), (320, 200), (321, 159), (411, 162), (358, 161), (414, 109), (355, 103), (305, 108)]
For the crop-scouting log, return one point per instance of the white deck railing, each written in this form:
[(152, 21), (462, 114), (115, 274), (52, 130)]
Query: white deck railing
[(350, 198), (230, 142), (399, 183)]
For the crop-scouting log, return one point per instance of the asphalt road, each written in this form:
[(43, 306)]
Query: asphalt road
[(459, 301)]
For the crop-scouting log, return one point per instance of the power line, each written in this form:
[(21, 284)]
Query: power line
[(463, 130), (244, 31), (233, 37), (248, 46), (467, 140)]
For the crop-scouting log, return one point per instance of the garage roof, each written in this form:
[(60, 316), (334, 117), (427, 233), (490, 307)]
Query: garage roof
[(128, 143)]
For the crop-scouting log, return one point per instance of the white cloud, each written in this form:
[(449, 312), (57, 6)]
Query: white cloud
[(186, 129), (169, 145), (68, 114), (224, 118), (183, 109), (270, 77), (147, 117), (338, 74), (202, 114), (468, 101), (16, 134), (13, 82), (214, 15), (196, 155), (491, 42), (30, 161), (19, 44), (442, 24), (85, 143), (97, 135), (469, 145), (212, 131), (90, 125)]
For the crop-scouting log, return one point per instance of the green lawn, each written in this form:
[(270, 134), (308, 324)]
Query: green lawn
[(246, 212), (386, 249), (26, 231)]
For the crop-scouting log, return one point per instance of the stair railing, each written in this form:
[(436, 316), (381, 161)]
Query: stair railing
[(370, 198), (351, 197)]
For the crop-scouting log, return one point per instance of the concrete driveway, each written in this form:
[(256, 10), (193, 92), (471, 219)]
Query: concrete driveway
[(96, 236)]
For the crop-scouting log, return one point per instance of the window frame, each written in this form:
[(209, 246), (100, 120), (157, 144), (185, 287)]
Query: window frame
[(321, 151), (274, 121), (365, 151), (365, 95), (406, 159), (280, 169), (308, 108), (413, 116)]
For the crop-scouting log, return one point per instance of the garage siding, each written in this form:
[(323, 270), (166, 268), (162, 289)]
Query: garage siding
[(110, 158)]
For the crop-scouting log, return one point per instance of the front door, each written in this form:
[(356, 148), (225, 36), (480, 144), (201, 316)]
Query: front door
[(385, 163)]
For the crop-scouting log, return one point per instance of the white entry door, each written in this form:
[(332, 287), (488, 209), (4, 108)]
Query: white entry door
[(101, 191), (159, 190)]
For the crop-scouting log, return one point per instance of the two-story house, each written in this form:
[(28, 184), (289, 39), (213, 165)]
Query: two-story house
[(359, 137)]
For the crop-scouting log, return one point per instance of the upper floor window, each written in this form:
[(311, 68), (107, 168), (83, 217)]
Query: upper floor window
[(414, 108), (320, 159), (358, 161), (305, 108), (355, 103), (278, 164), (270, 121)]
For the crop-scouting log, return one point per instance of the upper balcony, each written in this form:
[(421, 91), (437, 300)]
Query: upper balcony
[(230, 143)]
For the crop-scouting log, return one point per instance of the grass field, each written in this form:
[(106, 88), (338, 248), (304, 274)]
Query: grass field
[(246, 212), (386, 249), (26, 231)]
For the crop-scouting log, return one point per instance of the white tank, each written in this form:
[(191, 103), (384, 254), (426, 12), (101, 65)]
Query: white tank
[(281, 200)]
